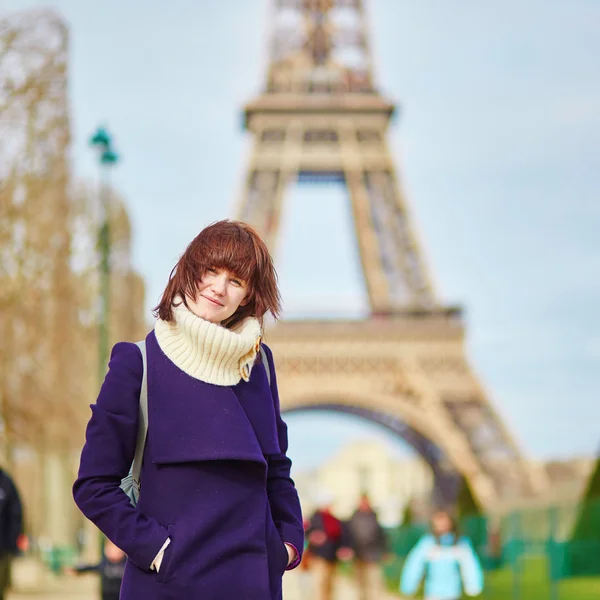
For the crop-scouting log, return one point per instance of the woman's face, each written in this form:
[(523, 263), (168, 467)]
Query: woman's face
[(441, 523), (220, 294)]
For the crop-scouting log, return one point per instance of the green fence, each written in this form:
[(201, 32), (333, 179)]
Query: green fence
[(57, 558), (545, 554)]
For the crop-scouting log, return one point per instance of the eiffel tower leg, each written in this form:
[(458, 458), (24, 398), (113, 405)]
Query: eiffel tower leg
[(454, 441), (493, 446), (391, 258), (454, 402), (446, 479), (373, 268), (401, 255), (267, 179), (446, 487), (262, 188)]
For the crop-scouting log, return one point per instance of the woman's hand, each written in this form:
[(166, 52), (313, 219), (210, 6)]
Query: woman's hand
[(292, 554)]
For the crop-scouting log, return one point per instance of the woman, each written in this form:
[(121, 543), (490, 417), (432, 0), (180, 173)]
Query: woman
[(218, 516), (448, 562)]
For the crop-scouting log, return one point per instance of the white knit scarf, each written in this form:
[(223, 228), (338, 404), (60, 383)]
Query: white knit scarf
[(207, 351)]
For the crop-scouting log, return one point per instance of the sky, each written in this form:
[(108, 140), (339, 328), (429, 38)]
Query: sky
[(497, 143)]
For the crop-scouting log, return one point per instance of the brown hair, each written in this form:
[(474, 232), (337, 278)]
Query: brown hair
[(237, 248)]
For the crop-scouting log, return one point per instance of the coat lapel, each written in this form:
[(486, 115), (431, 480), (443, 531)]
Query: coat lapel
[(257, 402), (190, 420)]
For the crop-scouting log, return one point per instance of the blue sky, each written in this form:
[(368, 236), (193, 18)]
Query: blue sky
[(497, 142)]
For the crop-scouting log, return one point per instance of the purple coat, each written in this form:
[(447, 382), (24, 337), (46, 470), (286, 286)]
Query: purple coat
[(215, 479)]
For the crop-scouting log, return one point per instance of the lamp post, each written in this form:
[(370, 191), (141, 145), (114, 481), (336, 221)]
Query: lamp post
[(107, 158)]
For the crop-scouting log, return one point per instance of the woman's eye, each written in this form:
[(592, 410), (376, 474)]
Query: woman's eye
[(236, 282), (213, 271)]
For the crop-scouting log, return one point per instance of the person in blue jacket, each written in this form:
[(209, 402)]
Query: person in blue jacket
[(446, 560)]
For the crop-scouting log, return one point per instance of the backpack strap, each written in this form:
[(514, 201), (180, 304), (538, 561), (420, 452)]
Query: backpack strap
[(143, 423), (266, 362)]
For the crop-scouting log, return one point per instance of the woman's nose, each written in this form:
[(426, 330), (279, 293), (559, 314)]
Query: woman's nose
[(218, 285)]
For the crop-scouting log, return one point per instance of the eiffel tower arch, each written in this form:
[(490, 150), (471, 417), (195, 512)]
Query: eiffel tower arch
[(321, 117)]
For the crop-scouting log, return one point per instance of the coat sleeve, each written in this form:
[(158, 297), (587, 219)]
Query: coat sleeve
[(470, 569), (107, 456), (414, 567), (283, 497)]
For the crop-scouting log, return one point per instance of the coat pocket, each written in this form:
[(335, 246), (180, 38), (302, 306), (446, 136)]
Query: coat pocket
[(282, 553), (276, 548), (164, 570)]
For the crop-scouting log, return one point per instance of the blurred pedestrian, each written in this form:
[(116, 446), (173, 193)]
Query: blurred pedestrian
[(446, 560), (110, 569), (218, 514), (327, 544), (12, 539), (370, 546)]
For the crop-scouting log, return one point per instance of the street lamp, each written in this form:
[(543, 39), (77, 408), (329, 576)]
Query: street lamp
[(107, 158)]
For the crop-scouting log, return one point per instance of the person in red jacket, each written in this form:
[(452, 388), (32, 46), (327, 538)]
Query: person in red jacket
[(327, 545)]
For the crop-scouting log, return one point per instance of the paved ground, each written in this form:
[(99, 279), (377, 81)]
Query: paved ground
[(297, 586)]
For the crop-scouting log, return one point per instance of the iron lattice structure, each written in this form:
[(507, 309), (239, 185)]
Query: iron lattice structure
[(321, 117)]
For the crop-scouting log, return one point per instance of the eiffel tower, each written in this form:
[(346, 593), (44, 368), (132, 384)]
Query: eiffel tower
[(321, 118)]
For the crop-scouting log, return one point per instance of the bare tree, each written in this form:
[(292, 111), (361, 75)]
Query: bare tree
[(49, 264)]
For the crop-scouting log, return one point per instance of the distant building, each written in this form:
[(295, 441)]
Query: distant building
[(368, 466), (392, 483)]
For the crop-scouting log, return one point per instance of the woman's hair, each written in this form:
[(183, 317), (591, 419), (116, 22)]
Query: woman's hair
[(237, 248)]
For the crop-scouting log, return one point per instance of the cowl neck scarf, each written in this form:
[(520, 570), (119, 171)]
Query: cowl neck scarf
[(208, 351)]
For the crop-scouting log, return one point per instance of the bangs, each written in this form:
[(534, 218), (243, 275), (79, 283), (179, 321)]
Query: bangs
[(232, 246), (233, 253)]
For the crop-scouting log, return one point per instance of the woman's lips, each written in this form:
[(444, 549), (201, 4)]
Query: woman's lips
[(215, 302)]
